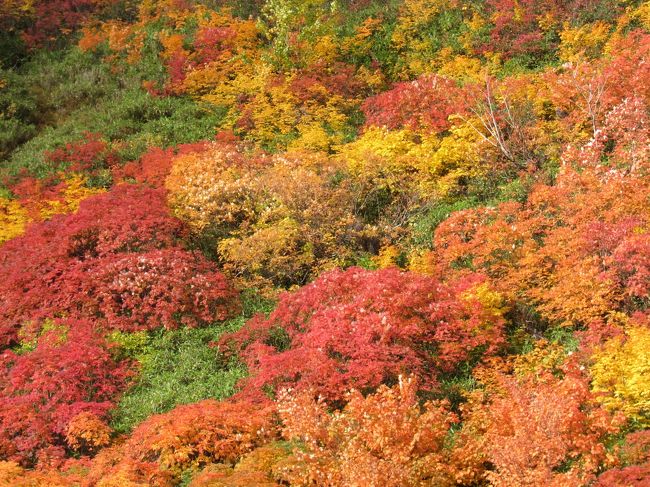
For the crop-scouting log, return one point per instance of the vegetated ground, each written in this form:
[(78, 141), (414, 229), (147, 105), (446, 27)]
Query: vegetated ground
[(349, 243)]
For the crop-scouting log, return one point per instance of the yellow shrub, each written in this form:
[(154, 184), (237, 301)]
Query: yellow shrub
[(382, 156), (404, 161), (13, 218), (422, 262), (643, 14), (274, 221), (457, 157), (387, 257), (10, 473), (621, 370), (585, 41), (490, 299), (462, 68), (75, 191)]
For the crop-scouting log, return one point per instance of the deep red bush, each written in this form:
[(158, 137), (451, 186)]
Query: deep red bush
[(86, 155), (360, 328), (35, 266), (169, 288), (70, 370)]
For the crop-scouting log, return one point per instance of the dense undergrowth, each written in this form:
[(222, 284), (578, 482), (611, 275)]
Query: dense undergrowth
[(336, 243)]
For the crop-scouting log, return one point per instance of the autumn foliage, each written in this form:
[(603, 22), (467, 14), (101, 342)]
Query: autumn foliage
[(189, 436), (359, 329), (383, 439), (101, 263), (352, 243), (65, 372)]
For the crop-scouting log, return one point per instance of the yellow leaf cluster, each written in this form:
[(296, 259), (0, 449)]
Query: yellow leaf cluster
[(457, 157), (13, 219), (464, 69), (584, 41), (422, 262), (491, 300), (621, 371), (414, 16), (386, 157), (387, 256), (643, 14), (75, 191), (10, 473), (402, 160)]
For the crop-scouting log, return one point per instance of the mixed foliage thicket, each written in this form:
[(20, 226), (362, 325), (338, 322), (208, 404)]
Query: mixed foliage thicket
[(339, 243)]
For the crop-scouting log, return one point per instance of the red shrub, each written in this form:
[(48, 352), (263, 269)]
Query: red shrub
[(211, 43), (636, 455), (425, 103), (127, 219), (83, 156), (358, 329), (168, 287), (70, 371), (54, 18), (154, 165), (632, 476)]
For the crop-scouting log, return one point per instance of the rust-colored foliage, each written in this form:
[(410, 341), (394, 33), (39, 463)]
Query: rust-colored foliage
[(386, 438), (585, 92), (540, 430), (635, 456), (189, 436), (359, 329), (87, 433), (577, 250)]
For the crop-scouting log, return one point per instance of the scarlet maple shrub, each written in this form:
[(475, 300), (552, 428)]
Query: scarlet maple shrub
[(117, 260), (154, 166), (358, 329), (167, 287), (87, 155), (425, 103), (70, 371)]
